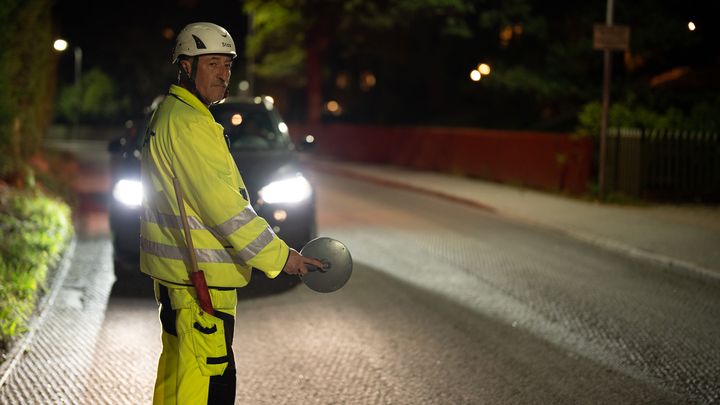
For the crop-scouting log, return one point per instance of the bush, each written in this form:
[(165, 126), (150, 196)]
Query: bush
[(630, 113), (34, 229)]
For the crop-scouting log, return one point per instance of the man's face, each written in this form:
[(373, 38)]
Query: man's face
[(213, 76)]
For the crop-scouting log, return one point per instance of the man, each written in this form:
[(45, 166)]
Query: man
[(185, 146)]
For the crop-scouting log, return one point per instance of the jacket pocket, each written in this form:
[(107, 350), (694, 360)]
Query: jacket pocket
[(208, 335)]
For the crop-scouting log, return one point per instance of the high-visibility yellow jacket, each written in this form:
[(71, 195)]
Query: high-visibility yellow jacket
[(184, 141)]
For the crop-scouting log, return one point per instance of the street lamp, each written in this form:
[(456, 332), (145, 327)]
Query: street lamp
[(483, 69), (61, 45)]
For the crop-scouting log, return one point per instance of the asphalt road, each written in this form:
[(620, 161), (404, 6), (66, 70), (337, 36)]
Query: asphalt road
[(529, 316), (447, 305)]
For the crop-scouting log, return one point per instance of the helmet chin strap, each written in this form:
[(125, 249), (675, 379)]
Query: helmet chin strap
[(189, 80)]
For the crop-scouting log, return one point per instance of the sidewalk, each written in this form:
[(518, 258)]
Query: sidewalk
[(681, 237)]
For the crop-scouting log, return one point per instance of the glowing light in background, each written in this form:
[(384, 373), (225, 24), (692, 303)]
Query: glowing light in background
[(236, 119), (475, 75), (290, 190), (333, 107), (280, 215), (691, 26), (505, 35), (484, 69), (128, 192), (507, 32), (342, 80), (60, 45), (367, 80)]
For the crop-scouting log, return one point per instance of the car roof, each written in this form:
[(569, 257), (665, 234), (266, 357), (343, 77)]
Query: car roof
[(259, 101)]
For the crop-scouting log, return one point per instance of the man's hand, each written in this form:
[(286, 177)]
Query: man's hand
[(297, 263)]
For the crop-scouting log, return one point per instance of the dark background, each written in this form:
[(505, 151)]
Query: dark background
[(541, 79), (133, 40)]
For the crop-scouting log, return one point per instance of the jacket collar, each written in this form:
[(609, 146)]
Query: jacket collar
[(188, 98)]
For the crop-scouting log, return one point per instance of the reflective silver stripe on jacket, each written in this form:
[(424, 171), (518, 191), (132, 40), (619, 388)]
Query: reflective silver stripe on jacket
[(169, 220), (177, 253), (174, 221), (210, 255), (254, 247), (221, 232), (244, 217)]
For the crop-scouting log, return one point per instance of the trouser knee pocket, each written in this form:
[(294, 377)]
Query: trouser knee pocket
[(209, 343), (203, 339)]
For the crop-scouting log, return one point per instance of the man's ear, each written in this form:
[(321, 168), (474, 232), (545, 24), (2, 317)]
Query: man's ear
[(186, 66)]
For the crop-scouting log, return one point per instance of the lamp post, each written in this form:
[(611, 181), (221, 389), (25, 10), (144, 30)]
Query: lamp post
[(61, 45)]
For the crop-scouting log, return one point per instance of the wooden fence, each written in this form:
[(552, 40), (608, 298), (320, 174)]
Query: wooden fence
[(550, 161), (664, 164)]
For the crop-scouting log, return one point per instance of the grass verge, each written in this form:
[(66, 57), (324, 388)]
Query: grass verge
[(34, 230)]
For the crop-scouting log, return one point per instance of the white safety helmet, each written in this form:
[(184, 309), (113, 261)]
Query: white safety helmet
[(203, 38)]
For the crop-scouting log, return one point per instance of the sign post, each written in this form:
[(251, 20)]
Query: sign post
[(607, 38)]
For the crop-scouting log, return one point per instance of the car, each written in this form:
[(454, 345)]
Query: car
[(267, 159)]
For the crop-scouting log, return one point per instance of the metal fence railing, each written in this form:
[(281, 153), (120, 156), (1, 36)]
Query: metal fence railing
[(664, 164)]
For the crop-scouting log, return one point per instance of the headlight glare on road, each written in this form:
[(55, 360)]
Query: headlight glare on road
[(291, 190), (128, 192)]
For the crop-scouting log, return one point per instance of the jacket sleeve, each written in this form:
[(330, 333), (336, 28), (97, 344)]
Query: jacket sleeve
[(208, 176)]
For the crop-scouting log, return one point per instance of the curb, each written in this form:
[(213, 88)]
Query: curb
[(44, 306), (398, 184), (671, 264)]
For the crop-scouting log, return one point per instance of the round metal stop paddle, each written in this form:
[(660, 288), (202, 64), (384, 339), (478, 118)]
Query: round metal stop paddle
[(337, 264)]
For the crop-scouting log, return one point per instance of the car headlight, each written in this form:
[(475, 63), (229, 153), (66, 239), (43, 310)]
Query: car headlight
[(128, 192), (292, 190)]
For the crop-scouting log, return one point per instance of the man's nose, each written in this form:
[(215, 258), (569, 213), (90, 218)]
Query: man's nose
[(225, 74)]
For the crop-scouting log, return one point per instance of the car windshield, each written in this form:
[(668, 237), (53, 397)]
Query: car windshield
[(250, 126)]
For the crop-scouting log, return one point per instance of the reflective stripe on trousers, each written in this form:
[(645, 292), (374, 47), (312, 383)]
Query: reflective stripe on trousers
[(179, 376)]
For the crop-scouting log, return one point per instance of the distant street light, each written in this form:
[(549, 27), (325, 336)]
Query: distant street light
[(483, 69), (333, 107), (61, 45), (691, 26)]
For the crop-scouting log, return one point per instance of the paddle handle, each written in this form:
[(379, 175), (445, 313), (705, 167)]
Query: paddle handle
[(196, 275)]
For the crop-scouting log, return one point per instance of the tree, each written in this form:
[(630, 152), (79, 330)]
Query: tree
[(27, 82), (292, 39), (553, 61), (544, 67), (95, 99)]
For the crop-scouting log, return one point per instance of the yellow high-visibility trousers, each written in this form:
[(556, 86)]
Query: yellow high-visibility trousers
[(196, 365)]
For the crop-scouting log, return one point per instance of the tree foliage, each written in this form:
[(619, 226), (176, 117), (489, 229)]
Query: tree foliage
[(355, 28), (94, 99), (26, 81), (554, 63), (544, 65), (631, 113)]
